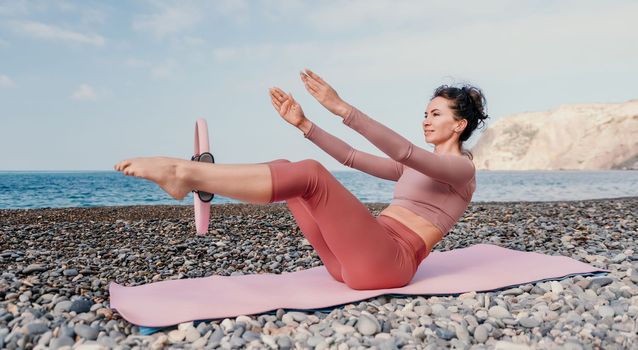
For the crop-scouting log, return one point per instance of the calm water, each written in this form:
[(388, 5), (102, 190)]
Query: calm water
[(104, 188)]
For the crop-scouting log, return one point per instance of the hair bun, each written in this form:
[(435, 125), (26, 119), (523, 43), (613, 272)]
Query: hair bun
[(468, 102)]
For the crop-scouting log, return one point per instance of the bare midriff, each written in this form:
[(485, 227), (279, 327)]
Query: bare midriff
[(430, 234)]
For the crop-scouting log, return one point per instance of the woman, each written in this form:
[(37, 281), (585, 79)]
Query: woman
[(361, 250)]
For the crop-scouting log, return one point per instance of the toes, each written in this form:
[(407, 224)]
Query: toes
[(122, 165)]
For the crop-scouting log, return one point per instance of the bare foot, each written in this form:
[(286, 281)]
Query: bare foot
[(161, 170)]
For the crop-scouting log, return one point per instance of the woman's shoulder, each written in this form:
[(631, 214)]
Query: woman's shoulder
[(470, 158)]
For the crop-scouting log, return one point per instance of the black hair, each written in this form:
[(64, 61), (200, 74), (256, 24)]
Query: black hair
[(467, 102)]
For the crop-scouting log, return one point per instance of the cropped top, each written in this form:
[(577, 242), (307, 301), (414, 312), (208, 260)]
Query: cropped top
[(436, 187)]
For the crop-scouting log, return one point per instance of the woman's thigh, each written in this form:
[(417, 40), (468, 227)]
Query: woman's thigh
[(371, 256)]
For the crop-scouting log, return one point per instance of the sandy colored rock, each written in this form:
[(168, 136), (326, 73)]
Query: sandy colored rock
[(570, 137)]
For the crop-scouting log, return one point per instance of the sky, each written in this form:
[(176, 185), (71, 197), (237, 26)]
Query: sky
[(85, 84)]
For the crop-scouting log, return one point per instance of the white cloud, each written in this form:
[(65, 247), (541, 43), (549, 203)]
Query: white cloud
[(540, 44), (6, 82), (21, 9), (164, 70), (89, 14), (137, 63), (84, 93), (169, 20), (157, 70), (389, 14), (50, 32), (193, 41), (236, 10), (252, 52), (13, 8)]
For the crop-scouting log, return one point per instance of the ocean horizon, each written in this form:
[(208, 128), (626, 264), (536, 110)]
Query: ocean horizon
[(80, 188)]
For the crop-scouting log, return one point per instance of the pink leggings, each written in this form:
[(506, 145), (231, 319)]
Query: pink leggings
[(357, 248)]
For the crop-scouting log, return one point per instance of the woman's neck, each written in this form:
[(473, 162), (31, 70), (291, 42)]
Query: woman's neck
[(451, 148)]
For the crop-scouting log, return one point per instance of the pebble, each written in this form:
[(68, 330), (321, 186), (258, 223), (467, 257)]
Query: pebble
[(63, 306), (36, 328), (601, 282), (480, 334), (512, 291), (176, 335), (86, 332), (50, 302), (81, 305), (368, 325), (606, 311), (33, 268), (70, 272), (529, 322), (498, 311), (192, 334), (61, 341), (445, 333)]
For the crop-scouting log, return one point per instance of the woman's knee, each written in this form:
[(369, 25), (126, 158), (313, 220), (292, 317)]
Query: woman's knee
[(279, 161), (313, 165)]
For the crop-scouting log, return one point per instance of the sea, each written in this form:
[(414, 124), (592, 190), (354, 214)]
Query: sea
[(61, 189)]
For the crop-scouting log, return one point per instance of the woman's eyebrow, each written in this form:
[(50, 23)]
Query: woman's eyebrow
[(436, 109)]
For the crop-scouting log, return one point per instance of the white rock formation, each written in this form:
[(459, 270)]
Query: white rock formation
[(581, 137)]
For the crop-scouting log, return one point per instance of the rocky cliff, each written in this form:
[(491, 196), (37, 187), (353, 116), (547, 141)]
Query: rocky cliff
[(581, 137)]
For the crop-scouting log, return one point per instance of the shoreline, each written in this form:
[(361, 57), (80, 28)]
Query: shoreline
[(56, 265), (136, 212)]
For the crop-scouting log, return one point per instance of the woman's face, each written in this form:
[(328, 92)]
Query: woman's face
[(439, 123)]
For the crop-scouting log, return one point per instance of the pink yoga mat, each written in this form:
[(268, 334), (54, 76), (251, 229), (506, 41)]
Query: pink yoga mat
[(481, 267)]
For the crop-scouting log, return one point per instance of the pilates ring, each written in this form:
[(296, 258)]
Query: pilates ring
[(202, 152), (205, 157)]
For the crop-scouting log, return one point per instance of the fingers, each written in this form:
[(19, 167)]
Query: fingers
[(313, 85), (278, 91), (285, 107), (275, 104), (310, 80), (279, 104), (315, 76), (278, 94), (276, 99), (311, 90), (310, 84)]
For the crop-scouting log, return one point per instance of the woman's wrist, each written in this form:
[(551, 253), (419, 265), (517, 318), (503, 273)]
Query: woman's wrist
[(305, 126), (343, 110)]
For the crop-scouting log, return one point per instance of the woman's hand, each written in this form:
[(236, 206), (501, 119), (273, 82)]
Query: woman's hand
[(287, 107), (324, 93)]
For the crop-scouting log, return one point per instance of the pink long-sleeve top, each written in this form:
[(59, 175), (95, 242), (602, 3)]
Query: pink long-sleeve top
[(439, 188)]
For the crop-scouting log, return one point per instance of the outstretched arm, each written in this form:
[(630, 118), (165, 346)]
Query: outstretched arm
[(454, 170), (291, 111), (345, 154)]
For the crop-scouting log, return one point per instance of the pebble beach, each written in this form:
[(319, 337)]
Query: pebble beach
[(56, 265)]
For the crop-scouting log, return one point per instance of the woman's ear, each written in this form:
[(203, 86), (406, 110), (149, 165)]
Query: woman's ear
[(461, 125)]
